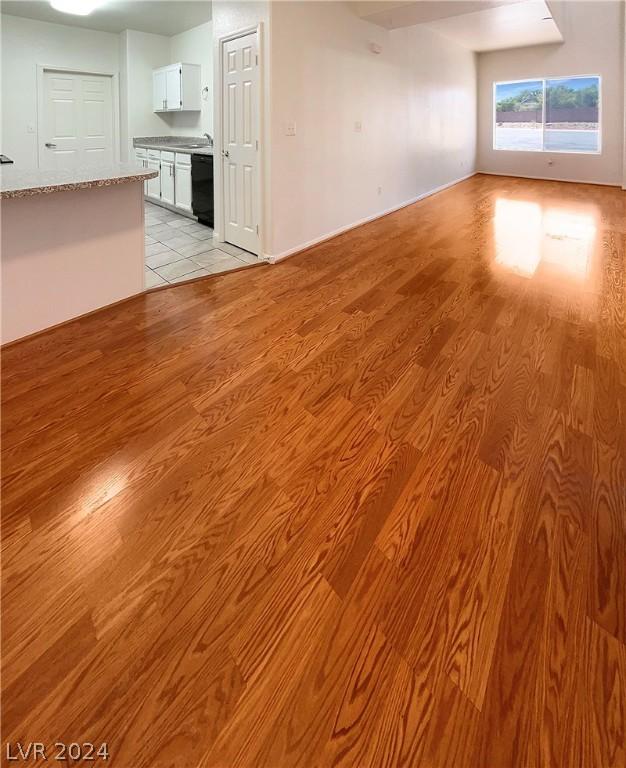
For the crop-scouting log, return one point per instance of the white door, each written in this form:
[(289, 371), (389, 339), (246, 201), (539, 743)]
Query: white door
[(240, 105), (158, 91), (76, 120), (183, 182), (172, 88)]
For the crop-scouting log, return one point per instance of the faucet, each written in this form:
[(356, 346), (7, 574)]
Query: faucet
[(209, 138)]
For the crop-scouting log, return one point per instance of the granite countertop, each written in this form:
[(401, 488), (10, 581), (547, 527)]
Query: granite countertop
[(19, 183), (174, 144)]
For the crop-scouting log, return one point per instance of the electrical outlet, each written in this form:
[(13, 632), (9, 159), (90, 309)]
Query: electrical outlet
[(358, 127), (290, 128), (380, 190)]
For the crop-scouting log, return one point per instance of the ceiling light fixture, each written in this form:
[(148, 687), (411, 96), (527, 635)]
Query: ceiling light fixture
[(77, 7)]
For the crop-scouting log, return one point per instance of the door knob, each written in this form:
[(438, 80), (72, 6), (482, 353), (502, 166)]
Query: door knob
[(50, 146), (225, 153)]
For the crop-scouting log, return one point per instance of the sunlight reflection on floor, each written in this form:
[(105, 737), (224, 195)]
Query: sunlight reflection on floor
[(527, 234)]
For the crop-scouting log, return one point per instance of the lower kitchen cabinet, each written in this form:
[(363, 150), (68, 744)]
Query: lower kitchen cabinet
[(173, 184), (168, 190), (153, 186), (183, 182)]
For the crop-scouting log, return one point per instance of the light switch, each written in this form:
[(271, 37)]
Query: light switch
[(30, 128), (358, 127), (290, 129)]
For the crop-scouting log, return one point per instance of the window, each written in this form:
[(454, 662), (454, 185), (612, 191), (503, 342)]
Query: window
[(558, 115)]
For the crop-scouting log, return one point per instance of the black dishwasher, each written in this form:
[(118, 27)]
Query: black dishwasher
[(202, 188)]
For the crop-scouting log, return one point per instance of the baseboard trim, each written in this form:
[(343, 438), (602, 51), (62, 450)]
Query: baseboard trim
[(274, 258), (549, 178)]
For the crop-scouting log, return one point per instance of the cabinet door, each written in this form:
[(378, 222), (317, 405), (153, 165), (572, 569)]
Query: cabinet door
[(159, 99), (172, 88), (141, 158), (154, 185), (183, 185), (191, 88), (167, 182)]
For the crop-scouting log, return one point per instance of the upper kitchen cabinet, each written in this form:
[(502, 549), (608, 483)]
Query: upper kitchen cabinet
[(176, 88)]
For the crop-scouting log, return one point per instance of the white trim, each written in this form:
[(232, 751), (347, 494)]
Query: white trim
[(220, 227), (115, 98), (550, 178), (273, 258)]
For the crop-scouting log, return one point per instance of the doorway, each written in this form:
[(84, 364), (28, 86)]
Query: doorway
[(240, 124), (75, 119)]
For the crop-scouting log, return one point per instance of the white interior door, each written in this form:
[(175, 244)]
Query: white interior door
[(240, 110), (76, 120)]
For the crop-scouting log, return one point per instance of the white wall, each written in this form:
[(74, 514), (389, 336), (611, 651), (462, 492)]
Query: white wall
[(27, 43), (141, 52), (594, 45), (195, 46), (416, 102)]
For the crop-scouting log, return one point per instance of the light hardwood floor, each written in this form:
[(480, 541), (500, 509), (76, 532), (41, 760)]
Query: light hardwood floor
[(366, 507)]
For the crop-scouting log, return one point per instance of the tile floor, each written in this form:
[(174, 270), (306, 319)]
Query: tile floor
[(179, 248)]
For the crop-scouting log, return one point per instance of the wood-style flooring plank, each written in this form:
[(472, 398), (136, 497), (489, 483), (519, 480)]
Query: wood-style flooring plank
[(365, 507)]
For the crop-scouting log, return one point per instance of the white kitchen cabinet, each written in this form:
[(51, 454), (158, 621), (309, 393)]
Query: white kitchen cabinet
[(173, 89), (154, 185), (182, 174), (176, 88), (159, 90), (168, 193)]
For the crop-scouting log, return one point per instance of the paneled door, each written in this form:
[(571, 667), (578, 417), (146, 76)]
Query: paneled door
[(240, 145), (75, 120)]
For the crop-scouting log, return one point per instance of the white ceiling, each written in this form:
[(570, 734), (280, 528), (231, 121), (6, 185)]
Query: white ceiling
[(480, 25), (508, 26), (393, 14), (159, 17)]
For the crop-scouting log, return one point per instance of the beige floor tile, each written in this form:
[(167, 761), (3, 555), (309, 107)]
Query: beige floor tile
[(177, 240), (152, 250), (191, 276), (163, 258), (170, 272), (151, 279), (225, 265), (192, 250)]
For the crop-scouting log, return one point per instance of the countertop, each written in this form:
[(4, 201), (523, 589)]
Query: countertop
[(19, 183), (173, 148), (171, 144)]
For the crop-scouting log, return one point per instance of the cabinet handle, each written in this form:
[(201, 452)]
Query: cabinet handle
[(163, 103)]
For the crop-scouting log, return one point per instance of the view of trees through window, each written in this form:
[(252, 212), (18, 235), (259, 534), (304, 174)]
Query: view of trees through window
[(558, 115)]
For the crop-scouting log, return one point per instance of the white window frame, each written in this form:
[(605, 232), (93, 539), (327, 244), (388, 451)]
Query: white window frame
[(544, 80)]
